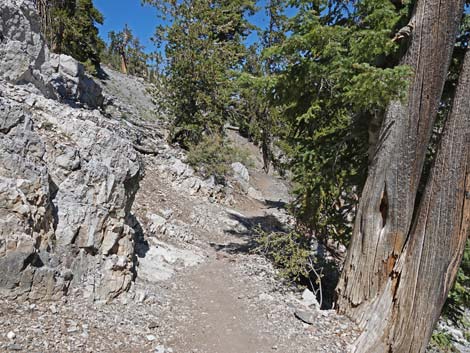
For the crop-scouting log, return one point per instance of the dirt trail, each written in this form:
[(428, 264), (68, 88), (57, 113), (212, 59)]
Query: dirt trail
[(211, 308), (221, 321), (198, 286), (232, 302)]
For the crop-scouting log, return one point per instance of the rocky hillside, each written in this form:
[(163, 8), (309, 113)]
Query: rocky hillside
[(110, 242)]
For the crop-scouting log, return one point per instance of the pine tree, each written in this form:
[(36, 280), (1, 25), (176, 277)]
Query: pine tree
[(119, 42), (126, 53), (203, 49), (337, 73), (81, 39), (256, 113), (69, 27)]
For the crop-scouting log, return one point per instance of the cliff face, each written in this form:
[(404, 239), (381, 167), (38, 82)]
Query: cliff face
[(67, 177)]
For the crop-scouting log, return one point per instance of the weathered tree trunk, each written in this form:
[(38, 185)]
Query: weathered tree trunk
[(429, 263), (123, 63), (402, 317), (399, 268)]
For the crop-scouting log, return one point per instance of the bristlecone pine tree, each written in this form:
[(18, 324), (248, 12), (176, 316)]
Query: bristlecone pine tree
[(406, 250), (118, 45), (203, 48), (125, 53)]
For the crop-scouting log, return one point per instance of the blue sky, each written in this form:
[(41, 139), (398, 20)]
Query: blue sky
[(143, 19)]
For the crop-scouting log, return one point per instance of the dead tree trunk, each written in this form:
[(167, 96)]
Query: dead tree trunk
[(389, 278), (402, 317), (427, 268), (122, 54)]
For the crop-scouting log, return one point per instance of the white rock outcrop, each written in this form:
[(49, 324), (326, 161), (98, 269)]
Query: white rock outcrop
[(66, 188), (68, 176)]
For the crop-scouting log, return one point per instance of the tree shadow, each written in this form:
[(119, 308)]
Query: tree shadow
[(250, 228), (329, 272), (256, 224), (101, 73), (325, 264), (141, 245), (280, 205)]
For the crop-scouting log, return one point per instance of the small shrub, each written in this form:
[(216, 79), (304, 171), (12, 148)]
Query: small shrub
[(149, 115), (47, 125), (210, 157), (289, 252), (213, 156), (91, 68), (241, 155), (442, 341)]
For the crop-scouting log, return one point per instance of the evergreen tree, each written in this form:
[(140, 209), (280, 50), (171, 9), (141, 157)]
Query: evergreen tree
[(336, 75), (125, 53), (258, 114), (204, 47), (69, 27)]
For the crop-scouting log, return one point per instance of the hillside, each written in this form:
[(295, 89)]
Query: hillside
[(110, 242), (307, 192)]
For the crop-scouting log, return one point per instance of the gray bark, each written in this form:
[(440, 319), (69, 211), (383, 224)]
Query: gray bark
[(403, 315), (400, 268), (388, 200)]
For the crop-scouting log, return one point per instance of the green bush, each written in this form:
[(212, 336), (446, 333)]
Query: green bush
[(90, 68), (213, 156), (459, 296), (442, 341), (289, 252)]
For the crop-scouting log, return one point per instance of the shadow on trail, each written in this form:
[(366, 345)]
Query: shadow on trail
[(266, 223), (249, 229), (326, 267), (280, 205)]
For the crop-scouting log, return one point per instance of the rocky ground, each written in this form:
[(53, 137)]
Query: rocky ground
[(110, 242), (198, 288)]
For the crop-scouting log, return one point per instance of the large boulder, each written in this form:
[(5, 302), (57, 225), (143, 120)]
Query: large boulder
[(241, 176), (67, 184), (65, 78)]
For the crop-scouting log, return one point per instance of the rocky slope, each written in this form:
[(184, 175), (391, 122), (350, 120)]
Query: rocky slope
[(110, 242)]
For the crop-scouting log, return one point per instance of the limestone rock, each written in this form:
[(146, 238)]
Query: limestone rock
[(65, 195), (255, 194), (309, 299), (161, 261), (156, 223), (305, 316), (240, 172), (241, 176), (25, 59), (11, 335), (68, 82), (22, 51)]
